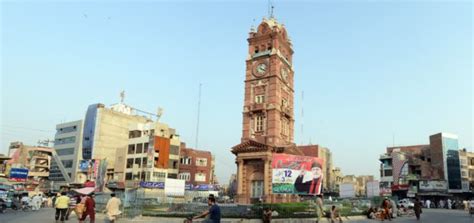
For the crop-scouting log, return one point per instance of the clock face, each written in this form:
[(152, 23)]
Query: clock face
[(261, 68)]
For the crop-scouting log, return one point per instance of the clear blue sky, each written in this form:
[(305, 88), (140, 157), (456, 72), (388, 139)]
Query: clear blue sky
[(369, 70)]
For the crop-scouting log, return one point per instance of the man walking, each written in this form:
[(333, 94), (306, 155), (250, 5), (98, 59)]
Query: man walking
[(113, 208), (61, 206), (417, 209), (90, 209), (319, 207)]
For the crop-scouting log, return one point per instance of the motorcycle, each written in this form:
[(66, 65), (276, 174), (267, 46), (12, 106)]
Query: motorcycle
[(3, 205)]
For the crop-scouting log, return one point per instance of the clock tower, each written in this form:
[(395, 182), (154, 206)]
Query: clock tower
[(268, 112)]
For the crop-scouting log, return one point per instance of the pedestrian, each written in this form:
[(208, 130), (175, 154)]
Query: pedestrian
[(428, 204), (61, 206), (36, 202), (417, 209), (214, 212), (90, 209), (267, 215), (450, 204), (80, 207), (113, 208), (386, 210), (71, 207), (49, 203), (319, 207), (335, 214)]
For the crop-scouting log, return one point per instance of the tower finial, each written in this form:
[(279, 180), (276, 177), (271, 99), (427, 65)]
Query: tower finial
[(270, 9)]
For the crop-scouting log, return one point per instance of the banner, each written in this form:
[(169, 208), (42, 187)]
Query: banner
[(158, 185), (18, 174), (433, 185), (297, 174)]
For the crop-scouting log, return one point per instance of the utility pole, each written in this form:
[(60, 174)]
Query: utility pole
[(198, 117)]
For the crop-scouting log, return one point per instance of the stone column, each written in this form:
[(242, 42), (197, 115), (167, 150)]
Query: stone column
[(240, 167), (267, 182)]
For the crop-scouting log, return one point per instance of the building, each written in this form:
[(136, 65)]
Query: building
[(338, 178), (34, 158), (3, 164), (196, 166), (106, 131), (467, 169), (328, 167), (152, 154), (426, 170), (268, 112), (68, 146)]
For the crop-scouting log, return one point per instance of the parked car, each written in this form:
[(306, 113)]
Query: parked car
[(405, 203)]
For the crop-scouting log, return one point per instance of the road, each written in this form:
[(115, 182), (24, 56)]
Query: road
[(47, 216)]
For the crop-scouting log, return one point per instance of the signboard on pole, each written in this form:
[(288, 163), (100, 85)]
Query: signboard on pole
[(297, 174)]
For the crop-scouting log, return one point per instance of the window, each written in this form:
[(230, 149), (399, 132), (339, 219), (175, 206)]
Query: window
[(66, 140), (66, 129), (144, 161), (184, 176), (67, 163), (128, 176), (388, 173), (256, 49), (130, 163), (131, 149), (259, 99), (284, 102), (173, 176), (259, 123), (138, 161), (65, 152), (139, 148), (201, 162), (464, 174), (185, 160), (257, 188), (145, 148), (134, 134), (159, 175), (285, 126), (174, 150), (200, 177)]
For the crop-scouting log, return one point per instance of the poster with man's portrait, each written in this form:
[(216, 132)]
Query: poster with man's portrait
[(297, 174)]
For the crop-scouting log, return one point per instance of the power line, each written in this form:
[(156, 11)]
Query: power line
[(198, 116), (27, 128)]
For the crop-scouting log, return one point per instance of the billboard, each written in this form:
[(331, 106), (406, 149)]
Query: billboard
[(19, 174), (347, 190), (433, 185), (174, 187), (296, 174), (373, 188)]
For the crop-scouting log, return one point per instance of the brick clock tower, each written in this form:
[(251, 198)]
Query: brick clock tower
[(268, 112)]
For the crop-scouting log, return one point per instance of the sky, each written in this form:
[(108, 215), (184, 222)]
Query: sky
[(374, 73)]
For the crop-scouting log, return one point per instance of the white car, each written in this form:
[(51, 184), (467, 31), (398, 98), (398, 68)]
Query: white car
[(405, 203)]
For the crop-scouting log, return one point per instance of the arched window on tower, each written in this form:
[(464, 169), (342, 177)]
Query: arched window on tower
[(256, 49)]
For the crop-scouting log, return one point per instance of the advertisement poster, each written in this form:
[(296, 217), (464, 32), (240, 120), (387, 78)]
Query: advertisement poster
[(18, 174), (297, 174)]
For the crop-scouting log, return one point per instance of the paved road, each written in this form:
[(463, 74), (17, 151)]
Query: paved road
[(47, 216)]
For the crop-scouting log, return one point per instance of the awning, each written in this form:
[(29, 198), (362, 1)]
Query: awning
[(85, 190)]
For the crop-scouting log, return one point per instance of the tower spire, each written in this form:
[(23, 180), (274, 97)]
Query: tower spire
[(270, 9)]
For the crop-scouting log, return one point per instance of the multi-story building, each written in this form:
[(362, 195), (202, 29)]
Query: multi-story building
[(68, 146), (152, 153), (338, 178), (196, 166), (105, 131), (467, 169), (36, 159), (268, 112), (329, 184), (435, 165)]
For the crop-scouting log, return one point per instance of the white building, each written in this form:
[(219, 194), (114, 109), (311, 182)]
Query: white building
[(68, 146)]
